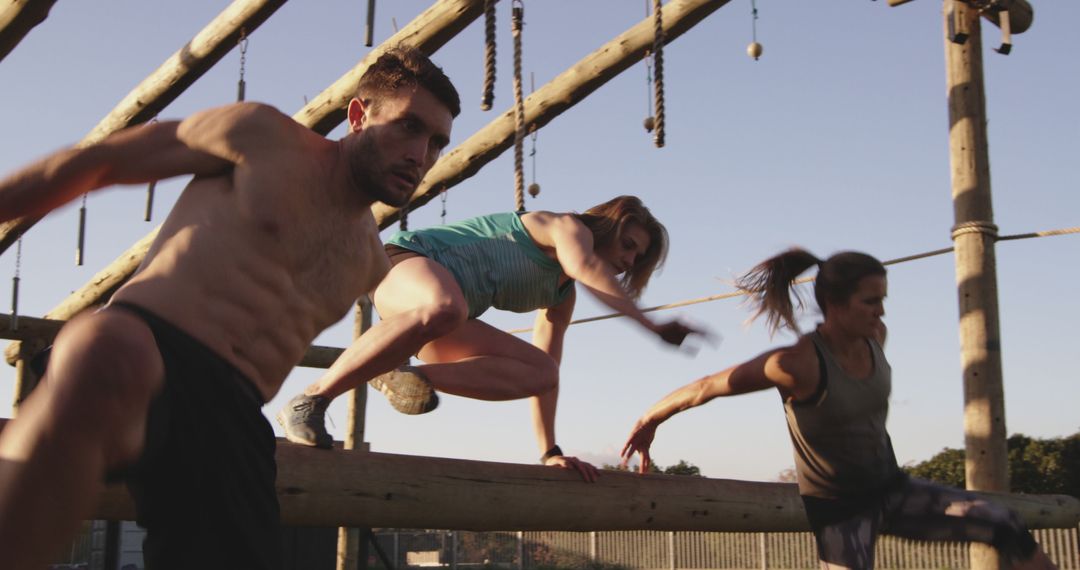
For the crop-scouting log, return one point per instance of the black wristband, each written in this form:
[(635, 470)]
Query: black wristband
[(555, 451)]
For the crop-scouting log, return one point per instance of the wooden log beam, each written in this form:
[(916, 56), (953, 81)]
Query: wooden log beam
[(167, 82), (369, 490), (552, 99), (427, 32), (18, 18), (541, 107), (42, 332)]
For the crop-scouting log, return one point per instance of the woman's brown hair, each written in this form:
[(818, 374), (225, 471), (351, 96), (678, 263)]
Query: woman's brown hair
[(770, 283), (606, 222)]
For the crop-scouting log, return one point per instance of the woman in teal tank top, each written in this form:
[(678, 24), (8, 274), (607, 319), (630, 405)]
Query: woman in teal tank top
[(443, 278), (835, 385)]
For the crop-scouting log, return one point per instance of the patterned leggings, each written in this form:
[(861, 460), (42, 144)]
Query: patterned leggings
[(921, 510)]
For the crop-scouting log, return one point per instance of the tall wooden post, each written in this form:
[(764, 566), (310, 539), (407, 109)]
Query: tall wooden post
[(974, 235), (350, 551)]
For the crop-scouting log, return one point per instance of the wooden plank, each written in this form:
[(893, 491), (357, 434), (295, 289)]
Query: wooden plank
[(167, 82), (43, 331), (18, 19)]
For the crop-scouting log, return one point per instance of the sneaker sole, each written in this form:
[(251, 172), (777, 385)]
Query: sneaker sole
[(407, 390)]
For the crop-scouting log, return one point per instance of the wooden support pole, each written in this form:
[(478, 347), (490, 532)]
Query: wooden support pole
[(167, 82), (974, 234), (318, 487), (350, 540), (18, 18)]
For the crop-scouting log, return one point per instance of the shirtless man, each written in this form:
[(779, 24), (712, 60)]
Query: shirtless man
[(270, 243)]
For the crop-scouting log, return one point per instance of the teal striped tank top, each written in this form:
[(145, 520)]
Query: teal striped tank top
[(494, 261)]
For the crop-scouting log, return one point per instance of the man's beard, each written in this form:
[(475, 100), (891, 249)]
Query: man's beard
[(371, 175)]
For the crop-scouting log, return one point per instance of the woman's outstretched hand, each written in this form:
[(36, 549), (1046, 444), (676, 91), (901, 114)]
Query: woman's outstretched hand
[(587, 471), (640, 440), (675, 333)]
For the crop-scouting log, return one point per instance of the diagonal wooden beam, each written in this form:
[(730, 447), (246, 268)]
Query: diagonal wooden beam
[(551, 100), (167, 82), (427, 32), (541, 107), (18, 19)]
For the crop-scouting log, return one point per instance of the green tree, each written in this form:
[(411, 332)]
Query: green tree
[(683, 468), (1042, 466)]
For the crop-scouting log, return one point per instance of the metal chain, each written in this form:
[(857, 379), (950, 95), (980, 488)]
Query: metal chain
[(240, 87), (14, 325)]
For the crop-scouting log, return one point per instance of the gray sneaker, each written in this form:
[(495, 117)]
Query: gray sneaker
[(407, 390), (304, 423)]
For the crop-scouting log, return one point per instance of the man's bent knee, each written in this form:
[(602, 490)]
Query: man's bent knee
[(103, 372)]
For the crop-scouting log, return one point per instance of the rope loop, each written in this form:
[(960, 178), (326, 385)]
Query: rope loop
[(975, 227)]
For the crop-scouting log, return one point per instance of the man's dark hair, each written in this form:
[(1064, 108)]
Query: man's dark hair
[(401, 66)]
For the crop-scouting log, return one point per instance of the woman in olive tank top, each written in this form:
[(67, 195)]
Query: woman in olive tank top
[(835, 383), (443, 278)]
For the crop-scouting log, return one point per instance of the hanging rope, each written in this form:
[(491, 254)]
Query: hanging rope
[(82, 233), (403, 218), (658, 82), (442, 196), (240, 87), (942, 251), (489, 56), (369, 26), (150, 192), (650, 120), (753, 50), (519, 108), (15, 286), (534, 188)]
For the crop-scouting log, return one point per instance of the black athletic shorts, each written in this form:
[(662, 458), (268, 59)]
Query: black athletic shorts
[(204, 485)]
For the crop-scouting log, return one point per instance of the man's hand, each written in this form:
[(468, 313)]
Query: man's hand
[(587, 471)]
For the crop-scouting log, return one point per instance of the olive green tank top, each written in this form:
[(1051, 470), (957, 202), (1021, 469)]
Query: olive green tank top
[(841, 446), (494, 261)]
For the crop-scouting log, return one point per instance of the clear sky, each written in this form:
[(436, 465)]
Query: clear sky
[(836, 139)]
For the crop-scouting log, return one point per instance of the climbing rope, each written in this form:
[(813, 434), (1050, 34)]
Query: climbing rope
[(489, 56), (518, 13), (944, 250), (658, 82)]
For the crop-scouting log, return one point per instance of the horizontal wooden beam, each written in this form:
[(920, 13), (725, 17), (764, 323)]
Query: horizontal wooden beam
[(369, 490), (43, 331), (167, 82), (18, 18)]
